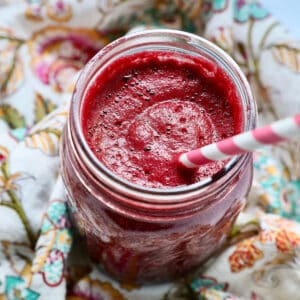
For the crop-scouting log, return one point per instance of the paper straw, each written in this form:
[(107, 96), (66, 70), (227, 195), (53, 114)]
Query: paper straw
[(244, 142)]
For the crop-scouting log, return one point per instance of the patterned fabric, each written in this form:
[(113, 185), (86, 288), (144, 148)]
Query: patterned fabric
[(43, 46)]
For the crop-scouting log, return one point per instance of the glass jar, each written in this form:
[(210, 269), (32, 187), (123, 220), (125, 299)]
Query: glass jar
[(140, 234)]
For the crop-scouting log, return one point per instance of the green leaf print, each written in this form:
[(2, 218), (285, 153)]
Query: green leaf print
[(42, 107), (11, 116), (8, 188)]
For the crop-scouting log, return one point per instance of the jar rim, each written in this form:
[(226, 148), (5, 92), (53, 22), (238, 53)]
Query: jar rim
[(171, 194)]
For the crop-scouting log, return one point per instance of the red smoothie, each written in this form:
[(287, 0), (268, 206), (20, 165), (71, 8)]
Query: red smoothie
[(145, 108), (138, 103)]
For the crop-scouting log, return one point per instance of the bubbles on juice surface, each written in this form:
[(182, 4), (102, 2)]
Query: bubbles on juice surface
[(149, 112)]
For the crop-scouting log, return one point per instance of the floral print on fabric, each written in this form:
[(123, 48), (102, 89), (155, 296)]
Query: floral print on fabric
[(245, 256), (10, 192), (202, 288), (217, 295), (11, 65), (45, 135), (15, 289), (93, 289), (275, 232), (53, 245), (246, 9), (11, 116), (281, 231), (209, 8), (276, 193), (43, 46), (58, 53), (287, 55), (220, 5), (204, 282), (264, 262), (57, 10)]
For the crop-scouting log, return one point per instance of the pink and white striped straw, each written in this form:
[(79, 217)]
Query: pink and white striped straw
[(244, 142)]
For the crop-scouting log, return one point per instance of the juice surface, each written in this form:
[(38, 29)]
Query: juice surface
[(147, 107)]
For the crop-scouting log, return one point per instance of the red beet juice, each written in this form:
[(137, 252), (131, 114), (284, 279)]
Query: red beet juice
[(138, 104), (147, 107)]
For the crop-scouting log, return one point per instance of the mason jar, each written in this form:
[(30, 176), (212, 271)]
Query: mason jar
[(139, 234)]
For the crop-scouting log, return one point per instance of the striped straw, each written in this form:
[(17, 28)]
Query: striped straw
[(245, 142)]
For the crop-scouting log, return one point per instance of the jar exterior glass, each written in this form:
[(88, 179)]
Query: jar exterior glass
[(128, 231)]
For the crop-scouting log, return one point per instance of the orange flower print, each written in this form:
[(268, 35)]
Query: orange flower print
[(59, 11), (276, 223), (245, 255), (287, 241), (267, 236)]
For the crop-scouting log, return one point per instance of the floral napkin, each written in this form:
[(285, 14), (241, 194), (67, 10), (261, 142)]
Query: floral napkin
[(43, 46)]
